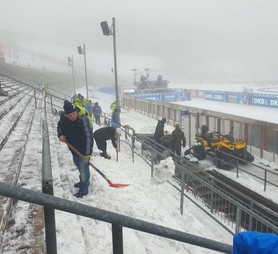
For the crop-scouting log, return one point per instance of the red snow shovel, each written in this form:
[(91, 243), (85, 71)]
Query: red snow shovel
[(114, 185)]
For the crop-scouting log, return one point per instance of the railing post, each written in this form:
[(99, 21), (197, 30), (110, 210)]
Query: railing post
[(133, 144), (182, 192), (237, 169), (51, 102), (265, 179), (152, 161), (117, 235), (238, 219), (47, 188), (250, 226), (35, 98)]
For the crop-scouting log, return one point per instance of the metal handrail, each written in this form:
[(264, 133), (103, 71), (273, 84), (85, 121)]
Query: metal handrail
[(185, 169), (117, 220)]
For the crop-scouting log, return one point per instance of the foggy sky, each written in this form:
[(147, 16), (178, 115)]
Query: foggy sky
[(184, 40)]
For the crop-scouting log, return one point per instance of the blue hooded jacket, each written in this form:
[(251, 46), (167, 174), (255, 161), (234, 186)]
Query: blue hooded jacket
[(78, 133)]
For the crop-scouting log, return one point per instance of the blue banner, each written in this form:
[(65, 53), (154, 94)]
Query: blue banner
[(238, 97), (162, 96), (267, 100), (215, 95)]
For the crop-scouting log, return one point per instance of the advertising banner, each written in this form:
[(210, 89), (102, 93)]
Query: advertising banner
[(215, 95), (238, 97), (160, 96), (266, 100)]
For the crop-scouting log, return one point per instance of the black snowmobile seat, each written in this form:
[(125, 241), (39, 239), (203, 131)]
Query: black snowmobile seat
[(209, 136), (204, 129), (229, 137)]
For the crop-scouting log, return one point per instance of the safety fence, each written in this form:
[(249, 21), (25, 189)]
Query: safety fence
[(225, 202), (261, 137)]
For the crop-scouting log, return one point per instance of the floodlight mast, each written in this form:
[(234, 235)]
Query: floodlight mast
[(115, 65), (70, 63), (107, 31), (83, 52), (135, 73)]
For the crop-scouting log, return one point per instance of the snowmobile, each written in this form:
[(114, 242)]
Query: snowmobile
[(222, 146), (148, 142), (195, 153)]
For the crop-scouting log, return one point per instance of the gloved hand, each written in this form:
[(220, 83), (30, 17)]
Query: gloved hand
[(86, 158), (183, 145)]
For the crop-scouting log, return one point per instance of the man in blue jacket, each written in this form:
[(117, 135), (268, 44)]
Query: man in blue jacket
[(76, 131), (97, 112)]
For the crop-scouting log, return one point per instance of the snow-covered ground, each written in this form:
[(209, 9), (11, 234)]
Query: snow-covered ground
[(148, 199), (152, 200)]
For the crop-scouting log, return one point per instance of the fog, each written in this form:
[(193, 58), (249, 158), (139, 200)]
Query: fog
[(184, 40)]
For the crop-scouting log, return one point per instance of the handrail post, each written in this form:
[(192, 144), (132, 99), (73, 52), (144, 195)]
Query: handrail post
[(152, 161), (133, 144), (265, 179), (238, 219), (182, 191), (47, 188), (117, 235), (36, 105)]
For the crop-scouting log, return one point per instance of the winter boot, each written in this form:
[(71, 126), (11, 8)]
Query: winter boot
[(80, 194), (77, 185), (107, 157)]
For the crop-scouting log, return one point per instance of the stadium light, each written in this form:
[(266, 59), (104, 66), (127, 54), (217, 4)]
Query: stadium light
[(82, 51), (107, 32), (70, 63), (147, 74), (135, 73)]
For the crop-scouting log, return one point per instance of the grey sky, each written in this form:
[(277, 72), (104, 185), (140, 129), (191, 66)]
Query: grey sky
[(183, 40)]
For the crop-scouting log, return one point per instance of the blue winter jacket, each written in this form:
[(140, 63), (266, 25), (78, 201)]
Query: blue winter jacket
[(97, 110), (115, 120), (78, 133)]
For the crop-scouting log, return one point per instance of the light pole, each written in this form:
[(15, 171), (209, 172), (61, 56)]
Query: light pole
[(107, 31), (147, 74), (82, 51), (134, 70), (70, 63)]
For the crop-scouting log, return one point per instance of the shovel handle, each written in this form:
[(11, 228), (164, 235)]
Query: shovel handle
[(114, 185)]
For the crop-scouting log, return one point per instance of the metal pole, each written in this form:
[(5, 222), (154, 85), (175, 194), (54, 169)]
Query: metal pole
[(117, 237), (134, 70), (73, 77), (115, 66), (47, 188), (189, 128), (84, 51), (182, 188)]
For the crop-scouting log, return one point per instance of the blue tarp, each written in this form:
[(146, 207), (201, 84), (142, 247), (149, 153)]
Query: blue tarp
[(255, 243)]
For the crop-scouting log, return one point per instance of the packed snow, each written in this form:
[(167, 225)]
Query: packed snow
[(150, 199)]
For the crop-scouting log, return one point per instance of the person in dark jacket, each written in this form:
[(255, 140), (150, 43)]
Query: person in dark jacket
[(102, 135), (159, 130), (178, 139), (76, 131), (97, 112)]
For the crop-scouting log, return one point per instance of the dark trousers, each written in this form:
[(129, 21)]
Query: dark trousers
[(97, 118), (101, 145), (84, 173)]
